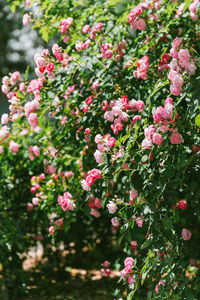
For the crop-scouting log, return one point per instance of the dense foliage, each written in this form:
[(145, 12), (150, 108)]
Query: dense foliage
[(109, 129)]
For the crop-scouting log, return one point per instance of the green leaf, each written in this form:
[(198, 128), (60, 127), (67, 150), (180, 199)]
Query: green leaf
[(197, 120), (187, 4), (144, 158), (26, 73), (20, 94)]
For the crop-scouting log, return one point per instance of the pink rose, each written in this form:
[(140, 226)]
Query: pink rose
[(51, 230), (95, 173), (135, 118), (33, 120), (95, 213), (29, 206), (112, 208), (176, 42), (139, 105), (35, 201), (174, 90), (157, 139), (177, 82), (4, 119), (176, 138), (99, 157), (106, 264), (86, 28), (90, 180), (111, 142), (149, 131), (182, 204), (134, 245), (85, 186), (174, 53), (140, 24), (146, 144), (14, 147), (139, 221), (133, 194), (186, 234), (36, 151), (115, 222), (184, 55), (26, 19), (129, 261)]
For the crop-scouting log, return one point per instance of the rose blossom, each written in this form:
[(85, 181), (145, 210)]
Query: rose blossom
[(26, 19), (4, 119), (115, 222), (129, 261), (134, 245), (14, 147), (95, 213), (186, 234), (133, 194), (86, 28), (157, 139), (51, 230), (176, 138), (182, 204), (99, 157), (139, 221), (111, 207)]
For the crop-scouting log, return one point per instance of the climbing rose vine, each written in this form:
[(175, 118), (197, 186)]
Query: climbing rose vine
[(110, 125)]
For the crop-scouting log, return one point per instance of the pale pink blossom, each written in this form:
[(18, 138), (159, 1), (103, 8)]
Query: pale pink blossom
[(86, 28), (112, 208), (33, 120), (85, 186), (115, 222), (36, 150), (35, 201), (4, 119), (176, 42), (146, 144), (99, 157), (14, 147), (133, 194), (26, 19)]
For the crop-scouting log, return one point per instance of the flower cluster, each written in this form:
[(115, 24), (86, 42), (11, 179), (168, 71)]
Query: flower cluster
[(128, 263), (65, 24), (33, 151), (163, 116), (65, 202), (142, 68), (92, 175), (134, 20), (180, 62), (94, 204)]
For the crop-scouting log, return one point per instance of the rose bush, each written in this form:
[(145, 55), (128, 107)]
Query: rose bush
[(111, 123)]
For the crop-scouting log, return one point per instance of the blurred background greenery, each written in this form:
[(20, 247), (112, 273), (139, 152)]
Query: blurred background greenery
[(17, 48)]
